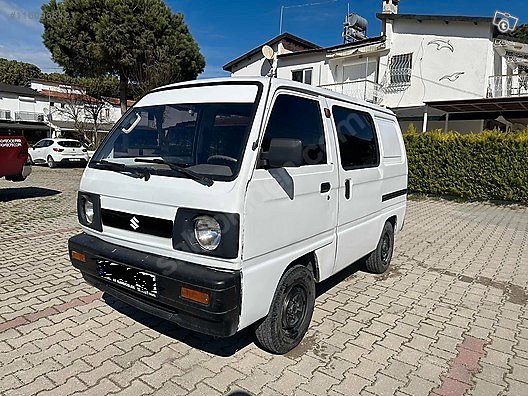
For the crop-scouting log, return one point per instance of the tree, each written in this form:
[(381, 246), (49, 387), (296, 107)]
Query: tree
[(95, 102), (142, 42), (18, 73), (83, 104), (73, 110), (521, 33)]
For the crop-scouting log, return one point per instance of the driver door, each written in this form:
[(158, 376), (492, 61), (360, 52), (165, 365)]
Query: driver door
[(291, 208)]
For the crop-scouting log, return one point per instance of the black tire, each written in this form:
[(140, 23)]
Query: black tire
[(290, 313), (51, 162), (379, 260)]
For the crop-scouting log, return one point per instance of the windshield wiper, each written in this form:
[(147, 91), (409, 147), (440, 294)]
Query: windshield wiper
[(138, 173), (206, 181)]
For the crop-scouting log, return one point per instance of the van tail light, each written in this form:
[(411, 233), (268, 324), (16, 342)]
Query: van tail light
[(58, 150)]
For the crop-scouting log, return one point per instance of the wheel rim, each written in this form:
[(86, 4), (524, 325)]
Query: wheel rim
[(385, 248), (294, 309)]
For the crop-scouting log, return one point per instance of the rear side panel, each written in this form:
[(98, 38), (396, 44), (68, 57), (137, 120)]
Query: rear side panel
[(13, 155), (394, 190)]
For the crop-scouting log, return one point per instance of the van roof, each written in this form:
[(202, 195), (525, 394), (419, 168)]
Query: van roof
[(280, 81)]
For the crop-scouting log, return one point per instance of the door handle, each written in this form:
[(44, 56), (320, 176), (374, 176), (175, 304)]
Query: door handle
[(325, 187), (347, 188)]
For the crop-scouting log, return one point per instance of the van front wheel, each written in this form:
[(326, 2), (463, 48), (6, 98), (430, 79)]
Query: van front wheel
[(290, 313), (379, 260)]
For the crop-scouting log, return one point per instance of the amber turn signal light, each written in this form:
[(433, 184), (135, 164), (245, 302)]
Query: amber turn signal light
[(78, 256), (195, 295)]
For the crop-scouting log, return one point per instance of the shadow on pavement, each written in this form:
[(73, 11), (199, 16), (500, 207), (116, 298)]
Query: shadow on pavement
[(12, 194), (336, 279), (224, 347)]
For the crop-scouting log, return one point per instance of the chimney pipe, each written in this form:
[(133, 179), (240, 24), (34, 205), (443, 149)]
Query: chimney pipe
[(390, 6)]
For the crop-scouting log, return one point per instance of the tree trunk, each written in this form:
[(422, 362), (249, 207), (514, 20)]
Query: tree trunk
[(123, 85)]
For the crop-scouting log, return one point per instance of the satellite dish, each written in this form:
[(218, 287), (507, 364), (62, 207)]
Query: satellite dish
[(268, 52)]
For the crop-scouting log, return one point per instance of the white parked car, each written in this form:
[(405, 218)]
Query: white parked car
[(219, 204), (59, 151)]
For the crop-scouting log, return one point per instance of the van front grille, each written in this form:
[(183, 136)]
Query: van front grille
[(137, 223)]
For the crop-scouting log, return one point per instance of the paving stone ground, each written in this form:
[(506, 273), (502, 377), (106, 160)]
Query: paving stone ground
[(450, 318)]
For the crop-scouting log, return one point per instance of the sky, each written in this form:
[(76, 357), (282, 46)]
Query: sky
[(225, 29)]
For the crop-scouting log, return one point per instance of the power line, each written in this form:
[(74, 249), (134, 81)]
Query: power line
[(299, 6)]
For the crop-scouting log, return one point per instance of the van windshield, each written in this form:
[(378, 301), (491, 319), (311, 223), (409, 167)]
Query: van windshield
[(207, 139)]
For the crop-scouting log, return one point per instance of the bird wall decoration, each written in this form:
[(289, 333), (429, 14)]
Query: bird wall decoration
[(452, 77), (442, 44)]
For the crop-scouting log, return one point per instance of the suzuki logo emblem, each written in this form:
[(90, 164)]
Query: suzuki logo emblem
[(134, 223)]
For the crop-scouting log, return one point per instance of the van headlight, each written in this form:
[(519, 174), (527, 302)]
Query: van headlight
[(207, 232), (88, 208)]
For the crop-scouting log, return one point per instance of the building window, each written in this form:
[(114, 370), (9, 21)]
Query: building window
[(298, 118), (107, 113), (401, 69), (303, 76), (358, 145), (52, 104)]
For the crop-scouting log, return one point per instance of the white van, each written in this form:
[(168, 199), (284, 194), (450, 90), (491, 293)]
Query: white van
[(219, 204)]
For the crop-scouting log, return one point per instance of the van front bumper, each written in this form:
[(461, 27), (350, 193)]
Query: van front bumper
[(219, 318)]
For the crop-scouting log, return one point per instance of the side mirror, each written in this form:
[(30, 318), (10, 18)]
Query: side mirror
[(285, 152)]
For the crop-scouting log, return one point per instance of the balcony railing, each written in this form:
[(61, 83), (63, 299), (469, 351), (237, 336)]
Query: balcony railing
[(29, 116), (508, 86), (362, 89), (5, 115)]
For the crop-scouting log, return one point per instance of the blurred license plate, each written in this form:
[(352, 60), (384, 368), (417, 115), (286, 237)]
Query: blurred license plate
[(131, 278)]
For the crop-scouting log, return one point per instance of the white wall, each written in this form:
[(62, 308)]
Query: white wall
[(340, 68), (316, 62), (256, 65), (472, 55), (14, 102)]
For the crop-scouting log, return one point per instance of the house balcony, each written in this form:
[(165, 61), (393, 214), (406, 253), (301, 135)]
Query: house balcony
[(362, 89), (508, 86), (5, 115), (29, 116)]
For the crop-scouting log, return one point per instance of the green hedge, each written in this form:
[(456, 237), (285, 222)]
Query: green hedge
[(491, 165)]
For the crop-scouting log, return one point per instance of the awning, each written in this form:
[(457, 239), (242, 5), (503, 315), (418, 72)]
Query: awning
[(26, 127), (486, 108)]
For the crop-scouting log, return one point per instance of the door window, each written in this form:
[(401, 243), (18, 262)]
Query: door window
[(299, 118), (357, 138)]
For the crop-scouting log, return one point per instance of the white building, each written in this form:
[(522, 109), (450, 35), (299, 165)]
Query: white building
[(51, 109), (69, 107), (22, 112), (448, 72)]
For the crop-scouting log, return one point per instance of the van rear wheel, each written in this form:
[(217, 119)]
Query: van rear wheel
[(379, 260), (290, 313)]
